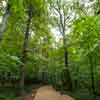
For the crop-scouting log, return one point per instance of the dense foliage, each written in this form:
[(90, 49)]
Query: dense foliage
[(62, 45)]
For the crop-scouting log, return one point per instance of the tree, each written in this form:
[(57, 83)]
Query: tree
[(88, 37), (24, 49), (61, 15)]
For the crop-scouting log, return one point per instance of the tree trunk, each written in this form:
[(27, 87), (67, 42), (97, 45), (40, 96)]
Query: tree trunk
[(67, 76), (24, 53), (92, 74)]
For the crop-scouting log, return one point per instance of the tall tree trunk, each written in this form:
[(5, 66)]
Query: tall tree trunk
[(4, 20), (67, 76), (61, 21), (92, 73), (24, 52)]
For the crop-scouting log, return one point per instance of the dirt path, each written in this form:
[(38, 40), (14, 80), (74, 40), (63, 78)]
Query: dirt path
[(30, 96), (46, 93)]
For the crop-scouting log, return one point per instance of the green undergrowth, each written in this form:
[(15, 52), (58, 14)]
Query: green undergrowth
[(13, 93), (9, 94)]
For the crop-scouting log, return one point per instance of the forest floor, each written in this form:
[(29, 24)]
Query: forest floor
[(12, 94), (8, 93)]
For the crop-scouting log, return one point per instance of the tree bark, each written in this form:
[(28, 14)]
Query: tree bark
[(92, 73), (24, 52), (67, 76), (62, 28)]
